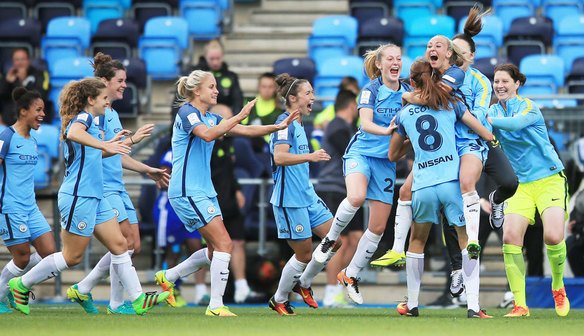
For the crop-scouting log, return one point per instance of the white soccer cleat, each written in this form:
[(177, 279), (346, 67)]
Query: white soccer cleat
[(324, 250)]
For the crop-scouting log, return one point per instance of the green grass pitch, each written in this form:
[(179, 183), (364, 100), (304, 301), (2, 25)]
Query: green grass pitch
[(57, 320)]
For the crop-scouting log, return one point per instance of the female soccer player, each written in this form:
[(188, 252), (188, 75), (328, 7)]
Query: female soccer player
[(431, 131), (191, 192), (113, 74), (83, 209), (519, 125), (298, 211), (368, 173), (21, 221)]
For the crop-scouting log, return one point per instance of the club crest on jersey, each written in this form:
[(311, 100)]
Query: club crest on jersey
[(116, 212), (22, 228), (211, 122), (81, 225), (211, 210), (353, 164), (299, 228)]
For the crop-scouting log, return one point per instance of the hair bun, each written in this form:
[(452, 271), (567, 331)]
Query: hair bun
[(18, 92)]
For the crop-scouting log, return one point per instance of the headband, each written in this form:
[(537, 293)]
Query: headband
[(290, 88)]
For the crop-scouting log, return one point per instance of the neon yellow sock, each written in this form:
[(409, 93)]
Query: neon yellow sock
[(515, 269), (557, 258)]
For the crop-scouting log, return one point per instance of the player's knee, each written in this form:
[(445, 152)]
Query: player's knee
[(137, 246), (553, 238), (21, 258), (513, 238), (224, 246), (467, 184), (356, 200), (405, 194), (73, 258), (303, 256)]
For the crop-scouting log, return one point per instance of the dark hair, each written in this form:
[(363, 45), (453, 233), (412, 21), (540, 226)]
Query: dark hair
[(429, 86), (270, 75), (24, 98), (343, 99), (26, 51), (106, 67), (288, 86), (472, 26), (348, 82), (513, 71)]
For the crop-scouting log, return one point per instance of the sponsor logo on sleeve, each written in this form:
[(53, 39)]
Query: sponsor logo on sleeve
[(193, 118), (283, 134), (365, 95), (449, 78), (83, 117)]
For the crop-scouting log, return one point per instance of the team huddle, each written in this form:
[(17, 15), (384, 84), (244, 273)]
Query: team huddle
[(442, 113)]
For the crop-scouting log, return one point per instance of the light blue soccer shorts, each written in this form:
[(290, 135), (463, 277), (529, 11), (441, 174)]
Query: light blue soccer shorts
[(122, 205), (476, 147), (19, 228), (427, 203), (80, 215), (297, 223), (380, 173), (195, 214)]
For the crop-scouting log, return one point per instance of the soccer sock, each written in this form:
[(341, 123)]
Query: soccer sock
[(100, 271), (46, 269), (290, 275), (35, 258), (122, 265), (403, 222), (515, 269), (311, 270), (219, 274), (190, 265), (8, 272), (472, 214), (116, 287), (414, 272), (367, 246), (343, 217), (471, 278), (330, 292), (200, 291), (557, 259)]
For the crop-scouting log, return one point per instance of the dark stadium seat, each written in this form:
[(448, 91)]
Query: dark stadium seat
[(24, 33), (364, 10), (378, 31), (12, 10), (142, 11), (457, 9), (128, 106), (116, 37), (487, 65), (297, 67)]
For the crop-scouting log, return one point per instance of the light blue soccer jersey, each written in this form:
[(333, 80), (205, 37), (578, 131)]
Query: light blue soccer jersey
[(476, 91), (83, 164), (432, 136), (292, 187), (385, 103), (112, 166), (19, 158), (453, 77), (191, 162), (524, 138)]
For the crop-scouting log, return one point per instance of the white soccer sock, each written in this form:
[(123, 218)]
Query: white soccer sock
[(472, 214), (116, 287), (343, 217), (367, 246), (311, 270), (471, 278), (403, 222), (8, 272), (99, 272), (290, 275), (414, 272), (200, 291), (192, 264), (241, 284), (46, 269), (35, 258), (122, 265), (219, 274)]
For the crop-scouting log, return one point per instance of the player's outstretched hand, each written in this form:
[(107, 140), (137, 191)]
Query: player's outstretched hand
[(142, 132), (320, 155), (120, 135), (286, 122), (246, 110), (160, 176), (113, 148)]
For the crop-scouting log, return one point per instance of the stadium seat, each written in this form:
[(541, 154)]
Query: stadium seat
[(98, 10), (545, 74), (25, 33), (557, 10), (486, 65), (458, 9), (555, 103), (575, 79), (45, 11), (65, 70), (406, 65), (421, 30), (136, 72), (509, 10), (48, 137), (326, 83), (66, 37), (162, 45), (115, 37), (142, 11), (12, 10), (365, 10), (380, 30), (408, 10), (332, 36), (297, 67), (128, 106), (528, 36), (203, 18), (490, 38), (569, 39)]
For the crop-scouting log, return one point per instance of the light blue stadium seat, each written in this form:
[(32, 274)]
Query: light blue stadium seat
[(556, 103), (490, 38), (509, 10), (64, 71), (421, 30), (406, 65), (569, 39), (98, 10), (48, 137), (66, 37), (203, 18), (557, 10), (545, 74), (161, 47), (326, 83), (332, 36), (408, 10)]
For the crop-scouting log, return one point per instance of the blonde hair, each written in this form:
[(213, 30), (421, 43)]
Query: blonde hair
[(74, 98), (212, 45), (457, 58), (185, 85), (373, 56)]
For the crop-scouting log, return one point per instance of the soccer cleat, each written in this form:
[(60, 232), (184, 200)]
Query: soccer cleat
[(352, 286), (497, 216), (307, 295), (147, 301), (85, 300), (474, 249), (180, 300), (167, 286), (403, 309), (507, 300), (456, 283), (125, 309), (561, 301), (4, 309), (480, 314), (323, 250), (281, 308), (518, 311), (394, 260), (20, 294), (11, 300), (221, 312)]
